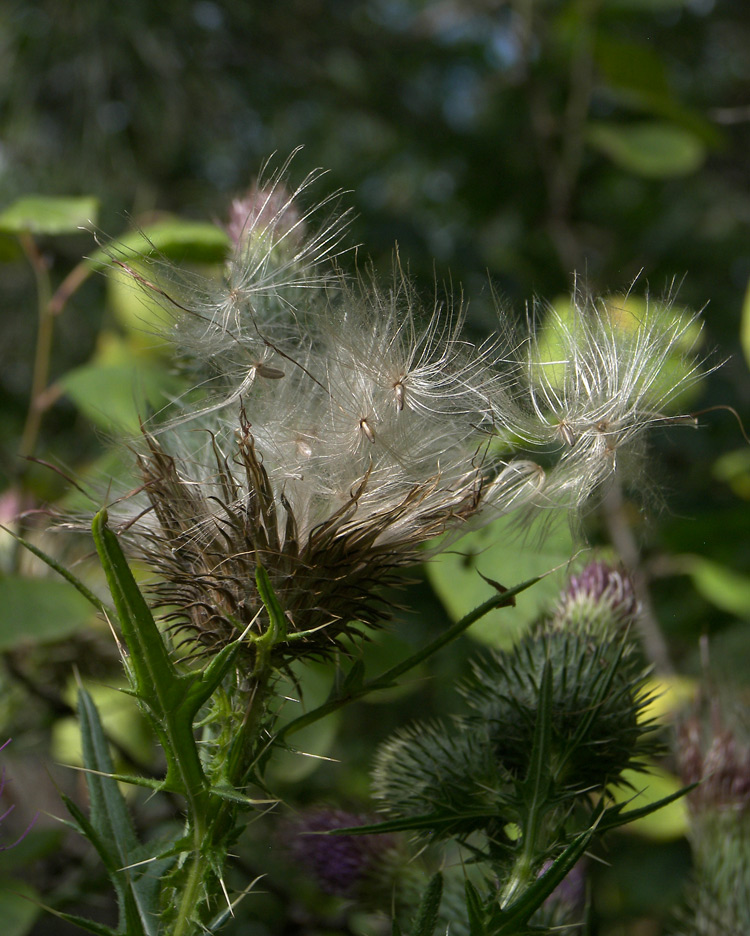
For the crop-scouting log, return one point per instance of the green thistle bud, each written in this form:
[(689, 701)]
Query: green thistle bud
[(597, 686), (467, 772)]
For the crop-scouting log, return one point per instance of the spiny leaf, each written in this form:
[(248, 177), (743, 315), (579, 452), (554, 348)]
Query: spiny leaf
[(474, 911), (89, 926), (616, 816), (171, 698), (204, 687), (426, 919), (155, 674), (536, 784), (278, 628), (114, 830)]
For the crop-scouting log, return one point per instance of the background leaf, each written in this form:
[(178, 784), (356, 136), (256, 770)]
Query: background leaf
[(18, 907), (49, 215), (34, 610), (655, 149)]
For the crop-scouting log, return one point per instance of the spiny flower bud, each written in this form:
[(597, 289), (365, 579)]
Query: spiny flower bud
[(722, 770)]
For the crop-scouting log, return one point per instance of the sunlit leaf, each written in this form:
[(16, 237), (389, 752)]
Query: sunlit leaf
[(176, 238), (37, 214), (667, 695), (745, 324), (664, 824), (498, 552), (116, 393)]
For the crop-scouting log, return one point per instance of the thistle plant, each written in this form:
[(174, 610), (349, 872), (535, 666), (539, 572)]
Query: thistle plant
[(333, 434), (715, 757)]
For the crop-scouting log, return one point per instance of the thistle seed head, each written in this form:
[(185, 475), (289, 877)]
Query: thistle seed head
[(334, 427)]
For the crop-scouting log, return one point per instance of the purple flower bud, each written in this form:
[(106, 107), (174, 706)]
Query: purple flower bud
[(263, 208), (722, 767), (599, 595)]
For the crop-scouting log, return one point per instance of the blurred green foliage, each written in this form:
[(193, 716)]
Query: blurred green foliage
[(504, 144)]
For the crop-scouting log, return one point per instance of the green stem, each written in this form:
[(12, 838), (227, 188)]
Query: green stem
[(243, 751), (191, 894), (524, 872)]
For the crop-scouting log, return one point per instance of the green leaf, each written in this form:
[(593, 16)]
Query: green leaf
[(637, 78), (19, 907), (116, 396), (137, 887), (155, 675), (616, 816), (66, 573), (745, 324), (165, 693), (655, 149), (427, 914), (723, 587), (495, 551), (278, 628), (36, 610), (536, 783), (37, 214)]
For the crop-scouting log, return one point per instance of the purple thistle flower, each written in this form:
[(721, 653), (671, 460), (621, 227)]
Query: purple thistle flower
[(341, 865)]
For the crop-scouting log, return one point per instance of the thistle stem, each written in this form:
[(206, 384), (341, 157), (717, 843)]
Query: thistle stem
[(43, 350), (624, 541)]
